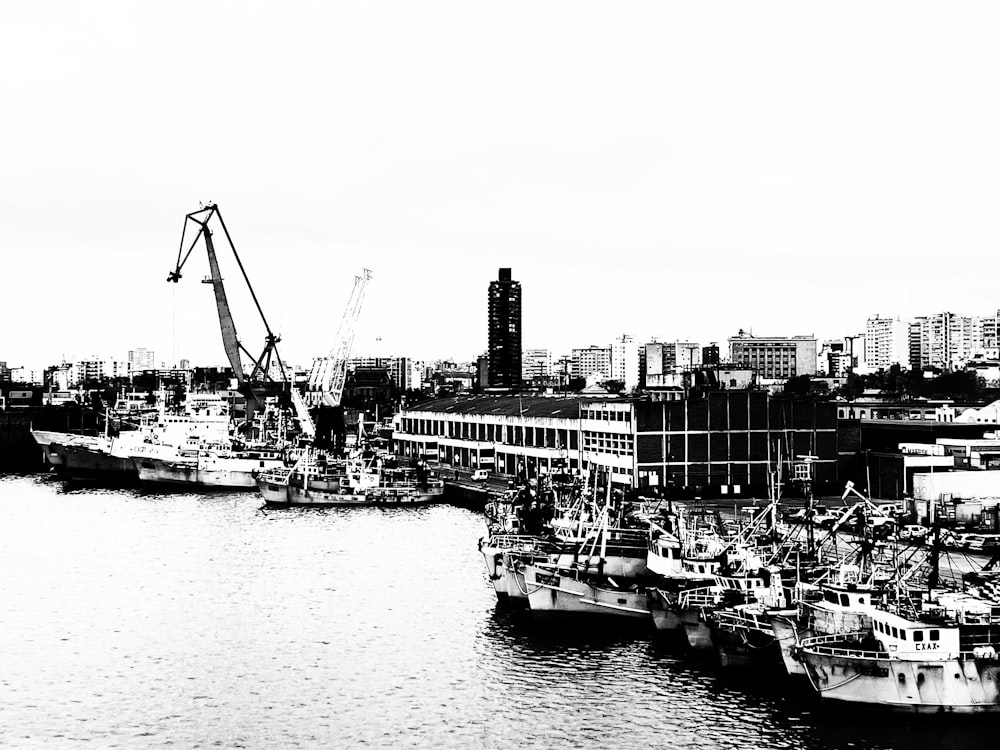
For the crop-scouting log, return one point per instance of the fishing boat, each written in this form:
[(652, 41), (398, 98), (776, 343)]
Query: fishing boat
[(600, 577), (320, 481), (555, 590), (941, 657), (931, 649)]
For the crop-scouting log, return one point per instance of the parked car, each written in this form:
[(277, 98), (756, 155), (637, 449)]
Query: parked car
[(480, 475), (825, 520), (913, 532)]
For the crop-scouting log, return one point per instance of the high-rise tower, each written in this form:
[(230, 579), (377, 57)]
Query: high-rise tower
[(505, 332)]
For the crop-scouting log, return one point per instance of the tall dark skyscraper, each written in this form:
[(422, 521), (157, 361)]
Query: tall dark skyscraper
[(505, 332)]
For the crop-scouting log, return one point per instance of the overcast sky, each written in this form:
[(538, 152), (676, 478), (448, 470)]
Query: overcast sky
[(677, 170)]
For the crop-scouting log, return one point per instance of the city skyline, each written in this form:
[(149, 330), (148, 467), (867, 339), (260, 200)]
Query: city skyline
[(671, 172)]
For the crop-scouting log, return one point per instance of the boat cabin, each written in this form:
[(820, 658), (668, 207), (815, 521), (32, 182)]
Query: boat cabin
[(911, 639), (852, 597)]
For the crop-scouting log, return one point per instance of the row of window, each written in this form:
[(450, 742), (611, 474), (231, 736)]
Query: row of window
[(601, 442), (535, 437), (900, 633), (607, 416)]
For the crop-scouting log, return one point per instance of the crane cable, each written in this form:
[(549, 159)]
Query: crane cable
[(173, 323)]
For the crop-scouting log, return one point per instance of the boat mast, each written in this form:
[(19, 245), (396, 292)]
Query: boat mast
[(935, 559)]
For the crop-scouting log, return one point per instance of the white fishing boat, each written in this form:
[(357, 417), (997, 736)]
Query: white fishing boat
[(841, 605), (942, 659), (554, 590), (318, 481)]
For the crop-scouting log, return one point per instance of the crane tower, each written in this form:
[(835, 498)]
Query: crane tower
[(326, 379)]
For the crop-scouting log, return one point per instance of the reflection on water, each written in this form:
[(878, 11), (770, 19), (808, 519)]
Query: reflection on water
[(137, 619)]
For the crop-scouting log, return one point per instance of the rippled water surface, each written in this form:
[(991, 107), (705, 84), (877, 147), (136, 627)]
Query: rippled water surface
[(140, 620)]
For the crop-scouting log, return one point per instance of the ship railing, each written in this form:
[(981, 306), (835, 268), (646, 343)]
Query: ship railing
[(979, 618), (981, 653), (702, 597), (732, 621), (817, 645), (513, 541)]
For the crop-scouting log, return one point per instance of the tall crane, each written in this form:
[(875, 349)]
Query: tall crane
[(326, 379), (259, 383)]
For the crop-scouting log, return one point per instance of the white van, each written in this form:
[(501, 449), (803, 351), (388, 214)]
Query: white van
[(480, 475)]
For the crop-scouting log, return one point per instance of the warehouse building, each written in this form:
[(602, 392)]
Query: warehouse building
[(719, 443)]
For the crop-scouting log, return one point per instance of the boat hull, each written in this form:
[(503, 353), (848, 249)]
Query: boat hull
[(287, 496), (181, 475), (551, 593), (696, 629), (961, 686), (789, 634), (743, 647), (663, 608), (46, 439), (81, 463)]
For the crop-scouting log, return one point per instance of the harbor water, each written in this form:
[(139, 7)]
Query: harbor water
[(132, 619)]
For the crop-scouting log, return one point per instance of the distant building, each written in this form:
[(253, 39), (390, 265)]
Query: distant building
[(710, 354), (368, 384), (142, 359), (774, 357), (504, 299), (592, 363), (536, 364), (86, 370), (625, 361), (947, 341), (404, 372), (886, 343), (664, 359)]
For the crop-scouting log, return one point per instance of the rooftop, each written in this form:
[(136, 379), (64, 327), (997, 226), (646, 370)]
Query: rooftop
[(509, 406)]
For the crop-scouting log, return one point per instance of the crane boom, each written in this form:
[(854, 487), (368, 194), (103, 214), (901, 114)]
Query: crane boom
[(260, 383), (328, 374), (229, 339)]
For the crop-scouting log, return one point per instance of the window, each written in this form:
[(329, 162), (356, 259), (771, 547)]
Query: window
[(895, 633), (935, 635), (918, 635)]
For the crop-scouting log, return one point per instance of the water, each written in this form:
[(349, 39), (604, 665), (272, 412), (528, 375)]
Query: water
[(130, 619)]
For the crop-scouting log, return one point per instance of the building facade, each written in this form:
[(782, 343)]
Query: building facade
[(591, 363), (536, 364), (664, 360), (774, 357), (504, 307), (406, 374), (142, 359), (887, 343), (948, 341), (728, 439), (625, 362)]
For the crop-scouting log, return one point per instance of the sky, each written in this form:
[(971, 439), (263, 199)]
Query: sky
[(668, 170)]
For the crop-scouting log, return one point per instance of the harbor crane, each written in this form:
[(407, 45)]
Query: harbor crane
[(260, 382), (326, 379)]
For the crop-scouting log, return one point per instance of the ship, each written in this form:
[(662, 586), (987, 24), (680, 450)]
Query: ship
[(319, 481), (939, 656), (208, 467)]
